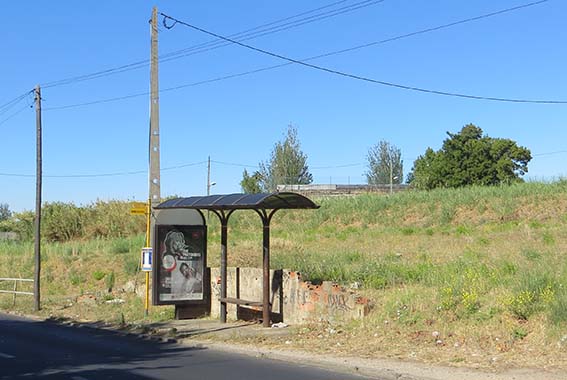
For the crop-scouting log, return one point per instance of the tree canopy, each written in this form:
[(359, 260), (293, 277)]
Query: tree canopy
[(250, 184), (385, 164), (5, 212), (287, 165), (470, 158)]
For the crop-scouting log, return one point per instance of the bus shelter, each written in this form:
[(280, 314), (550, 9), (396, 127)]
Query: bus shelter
[(265, 205)]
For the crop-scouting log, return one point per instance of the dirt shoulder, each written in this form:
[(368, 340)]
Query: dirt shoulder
[(382, 368), (254, 340)]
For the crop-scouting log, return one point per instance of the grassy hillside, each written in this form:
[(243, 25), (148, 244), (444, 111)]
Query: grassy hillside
[(475, 276)]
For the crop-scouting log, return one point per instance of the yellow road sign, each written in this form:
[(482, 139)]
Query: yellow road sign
[(138, 208)]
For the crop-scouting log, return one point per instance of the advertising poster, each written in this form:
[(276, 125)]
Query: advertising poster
[(180, 262)]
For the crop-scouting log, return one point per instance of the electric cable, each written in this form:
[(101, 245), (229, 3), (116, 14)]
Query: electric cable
[(14, 114), (367, 79), (115, 174), (4, 108), (287, 63), (262, 31)]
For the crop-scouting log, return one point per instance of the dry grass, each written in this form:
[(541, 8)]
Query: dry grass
[(473, 277)]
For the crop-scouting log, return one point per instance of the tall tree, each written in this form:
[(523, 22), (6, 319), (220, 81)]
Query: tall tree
[(5, 212), (287, 164), (471, 158), (250, 184), (385, 164)]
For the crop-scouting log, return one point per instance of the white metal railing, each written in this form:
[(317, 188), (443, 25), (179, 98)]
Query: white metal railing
[(16, 291)]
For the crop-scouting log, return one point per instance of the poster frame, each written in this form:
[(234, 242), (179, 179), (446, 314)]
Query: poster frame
[(156, 273)]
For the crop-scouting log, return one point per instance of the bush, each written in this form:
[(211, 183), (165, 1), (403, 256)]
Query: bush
[(98, 275), (62, 221)]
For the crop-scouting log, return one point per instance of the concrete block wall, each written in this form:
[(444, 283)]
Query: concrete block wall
[(246, 283), (293, 300)]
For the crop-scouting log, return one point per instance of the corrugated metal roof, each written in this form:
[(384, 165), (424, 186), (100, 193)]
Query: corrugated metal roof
[(284, 200)]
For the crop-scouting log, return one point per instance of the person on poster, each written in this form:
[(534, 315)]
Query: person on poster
[(192, 282)]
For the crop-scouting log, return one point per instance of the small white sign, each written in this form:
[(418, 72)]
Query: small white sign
[(147, 259)]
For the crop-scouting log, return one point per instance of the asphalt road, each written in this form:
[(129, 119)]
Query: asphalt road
[(41, 349)]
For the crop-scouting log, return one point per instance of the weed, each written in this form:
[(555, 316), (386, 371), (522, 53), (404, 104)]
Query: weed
[(131, 265), (558, 309), (110, 281), (408, 231), (548, 238), (519, 333), (98, 275), (531, 254), (462, 230), (76, 277), (121, 246)]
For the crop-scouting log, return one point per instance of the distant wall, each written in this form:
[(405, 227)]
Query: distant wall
[(293, 300), (9, 236), (330, 189)]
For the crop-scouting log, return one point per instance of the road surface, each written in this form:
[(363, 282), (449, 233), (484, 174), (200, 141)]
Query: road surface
[(41, 349)]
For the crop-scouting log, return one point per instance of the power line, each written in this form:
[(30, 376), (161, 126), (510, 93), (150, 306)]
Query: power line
[(549, 153), (336, 166), (14, 114), (311, 168), (115, 174), (288, 63), (371, 80), (294, 24), (261, 30), (108, 100), (4, 108)]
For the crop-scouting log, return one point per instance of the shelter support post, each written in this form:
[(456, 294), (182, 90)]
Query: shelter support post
[(266, 278), (223, 218), (266, 306), (223, 265)]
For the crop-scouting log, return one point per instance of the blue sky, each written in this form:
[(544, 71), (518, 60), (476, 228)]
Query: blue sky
[(236, 121)]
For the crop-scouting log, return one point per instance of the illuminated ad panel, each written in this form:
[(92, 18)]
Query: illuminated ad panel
[(180, 264)]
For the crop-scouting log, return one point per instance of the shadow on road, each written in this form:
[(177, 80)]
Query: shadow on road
[(49, 350)]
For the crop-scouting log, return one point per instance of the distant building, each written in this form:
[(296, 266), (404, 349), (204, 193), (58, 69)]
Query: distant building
[(330, 189)]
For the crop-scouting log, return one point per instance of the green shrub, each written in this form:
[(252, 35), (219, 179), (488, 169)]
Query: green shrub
[(98, 275)]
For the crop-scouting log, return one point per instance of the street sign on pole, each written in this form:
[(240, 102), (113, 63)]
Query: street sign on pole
[(147, 259), (138, 208)]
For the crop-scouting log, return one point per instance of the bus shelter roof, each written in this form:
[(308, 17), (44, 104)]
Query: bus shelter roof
[(265, 201)]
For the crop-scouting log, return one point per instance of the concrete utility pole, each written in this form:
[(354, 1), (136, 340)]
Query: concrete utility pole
[(154, 153), (37, 227), (155, 195)]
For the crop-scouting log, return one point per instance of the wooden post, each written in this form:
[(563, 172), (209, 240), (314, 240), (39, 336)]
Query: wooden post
[(37, 224)]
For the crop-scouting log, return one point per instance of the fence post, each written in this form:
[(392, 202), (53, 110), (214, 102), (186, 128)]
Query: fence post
[(15, 290)]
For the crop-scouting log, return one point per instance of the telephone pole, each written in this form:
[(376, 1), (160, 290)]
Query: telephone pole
[(37, 224), (155, 195), (209, 176), (154, 154)]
